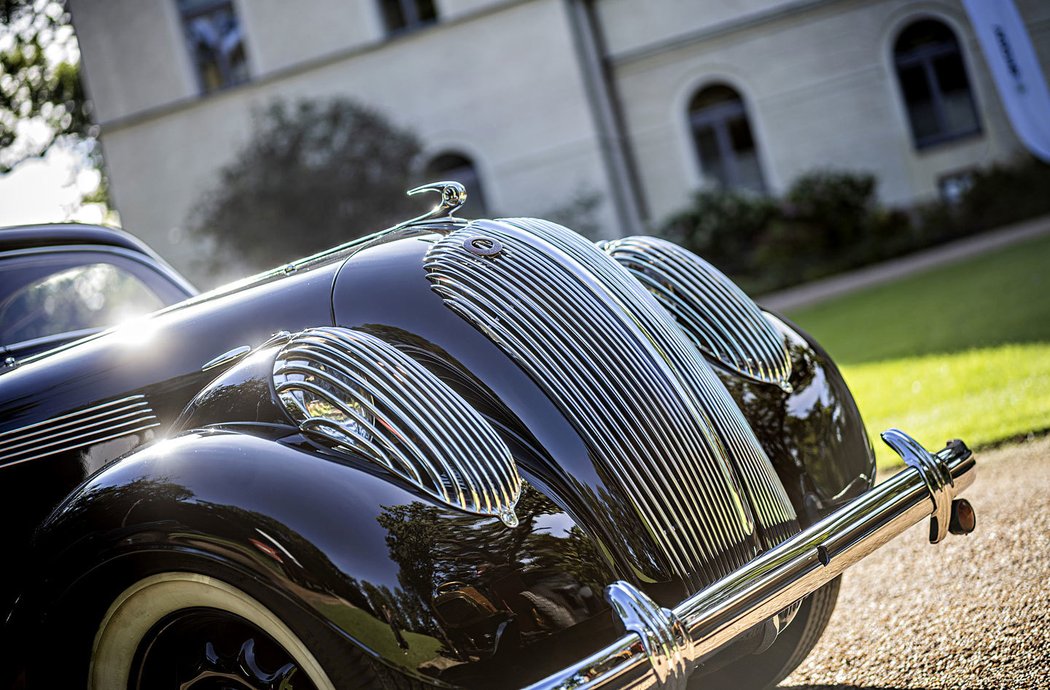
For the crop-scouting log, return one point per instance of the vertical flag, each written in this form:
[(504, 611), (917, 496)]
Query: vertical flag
[(1015, 68)]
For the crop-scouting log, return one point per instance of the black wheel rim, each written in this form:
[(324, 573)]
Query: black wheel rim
[(209, 649)]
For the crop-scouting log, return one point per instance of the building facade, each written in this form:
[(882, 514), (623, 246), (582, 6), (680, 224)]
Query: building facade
[(542, 102)]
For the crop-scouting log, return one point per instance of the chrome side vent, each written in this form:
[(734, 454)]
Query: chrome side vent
[(656, 417), (351, 389), (79, 429), (724, 322)]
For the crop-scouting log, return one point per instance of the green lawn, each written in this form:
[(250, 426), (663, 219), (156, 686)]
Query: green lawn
[(379, 636), (959, 351)]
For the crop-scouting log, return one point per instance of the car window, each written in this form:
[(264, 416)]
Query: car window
[(51, 294)]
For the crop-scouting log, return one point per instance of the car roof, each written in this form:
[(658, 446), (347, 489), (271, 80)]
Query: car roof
[(81, 235), (64, 234)]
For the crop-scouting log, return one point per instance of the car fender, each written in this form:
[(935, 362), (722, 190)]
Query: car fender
[(334, 539), (813, 433), (300, 524)]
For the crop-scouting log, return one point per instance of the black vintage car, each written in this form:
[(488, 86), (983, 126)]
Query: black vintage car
[(456, 454)]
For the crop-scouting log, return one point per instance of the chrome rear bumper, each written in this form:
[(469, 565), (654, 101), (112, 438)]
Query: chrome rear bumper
[(662, 647)]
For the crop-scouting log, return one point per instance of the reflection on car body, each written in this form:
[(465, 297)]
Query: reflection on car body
[(454, 453)]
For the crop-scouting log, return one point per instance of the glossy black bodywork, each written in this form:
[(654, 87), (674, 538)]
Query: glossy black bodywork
[(236, 490), (814, 434), (337, 537), (161, 358)]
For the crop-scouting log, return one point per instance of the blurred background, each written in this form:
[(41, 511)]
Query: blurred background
[(783, 140), (848, 130)]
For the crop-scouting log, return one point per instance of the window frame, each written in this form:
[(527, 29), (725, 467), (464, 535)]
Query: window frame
[(718, 117), (171, 285), (228, 81), (924, 57)]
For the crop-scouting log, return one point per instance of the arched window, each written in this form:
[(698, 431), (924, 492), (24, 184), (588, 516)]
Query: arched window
[(457, 167), (722, 135), (934, 83)]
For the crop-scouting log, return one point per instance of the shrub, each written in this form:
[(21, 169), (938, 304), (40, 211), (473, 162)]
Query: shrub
[(723, 227), (998, 195), (824, 223), (830, 221), (1003, 194), (891, 233), (579, 212), (314, 175), (834, 208)]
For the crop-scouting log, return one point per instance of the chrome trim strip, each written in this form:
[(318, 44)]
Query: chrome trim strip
[(711, 618), (68, 336), (73, 430), (227, 357), (82, 444), (85, 426), (724, 322), (628, 379), (134, 399), (400, 416)]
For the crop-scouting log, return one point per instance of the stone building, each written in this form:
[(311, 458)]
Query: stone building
[(539, 102)]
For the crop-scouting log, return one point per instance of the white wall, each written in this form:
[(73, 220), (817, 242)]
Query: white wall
[(134, 55), (634, 24), (503, 87), (821, 93), (280, 34), (454, 9), (499, 80)]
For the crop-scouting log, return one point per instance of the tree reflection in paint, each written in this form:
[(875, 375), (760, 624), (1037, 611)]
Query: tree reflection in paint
[(466, 576)]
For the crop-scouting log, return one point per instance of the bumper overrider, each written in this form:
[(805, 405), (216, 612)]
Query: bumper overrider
[(662, 647)]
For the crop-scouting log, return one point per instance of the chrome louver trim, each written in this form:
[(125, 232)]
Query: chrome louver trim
[(399, 415), (629, 381), (723, 321), (85, 427), (736, 441)]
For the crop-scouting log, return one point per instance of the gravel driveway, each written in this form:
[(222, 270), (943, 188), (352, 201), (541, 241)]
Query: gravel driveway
[(970, 612)]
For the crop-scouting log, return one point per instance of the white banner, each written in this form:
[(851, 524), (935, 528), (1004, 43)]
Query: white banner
[(1010, 56)]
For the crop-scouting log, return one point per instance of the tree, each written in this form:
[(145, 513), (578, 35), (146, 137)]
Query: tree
[(42, 99), (313, 175)]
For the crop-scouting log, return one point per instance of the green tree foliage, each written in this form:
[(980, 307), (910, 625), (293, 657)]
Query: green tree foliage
[(42, 99), (314, 174)]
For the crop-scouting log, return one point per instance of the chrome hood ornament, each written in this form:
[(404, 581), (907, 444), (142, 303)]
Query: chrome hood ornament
[(453, 196)]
